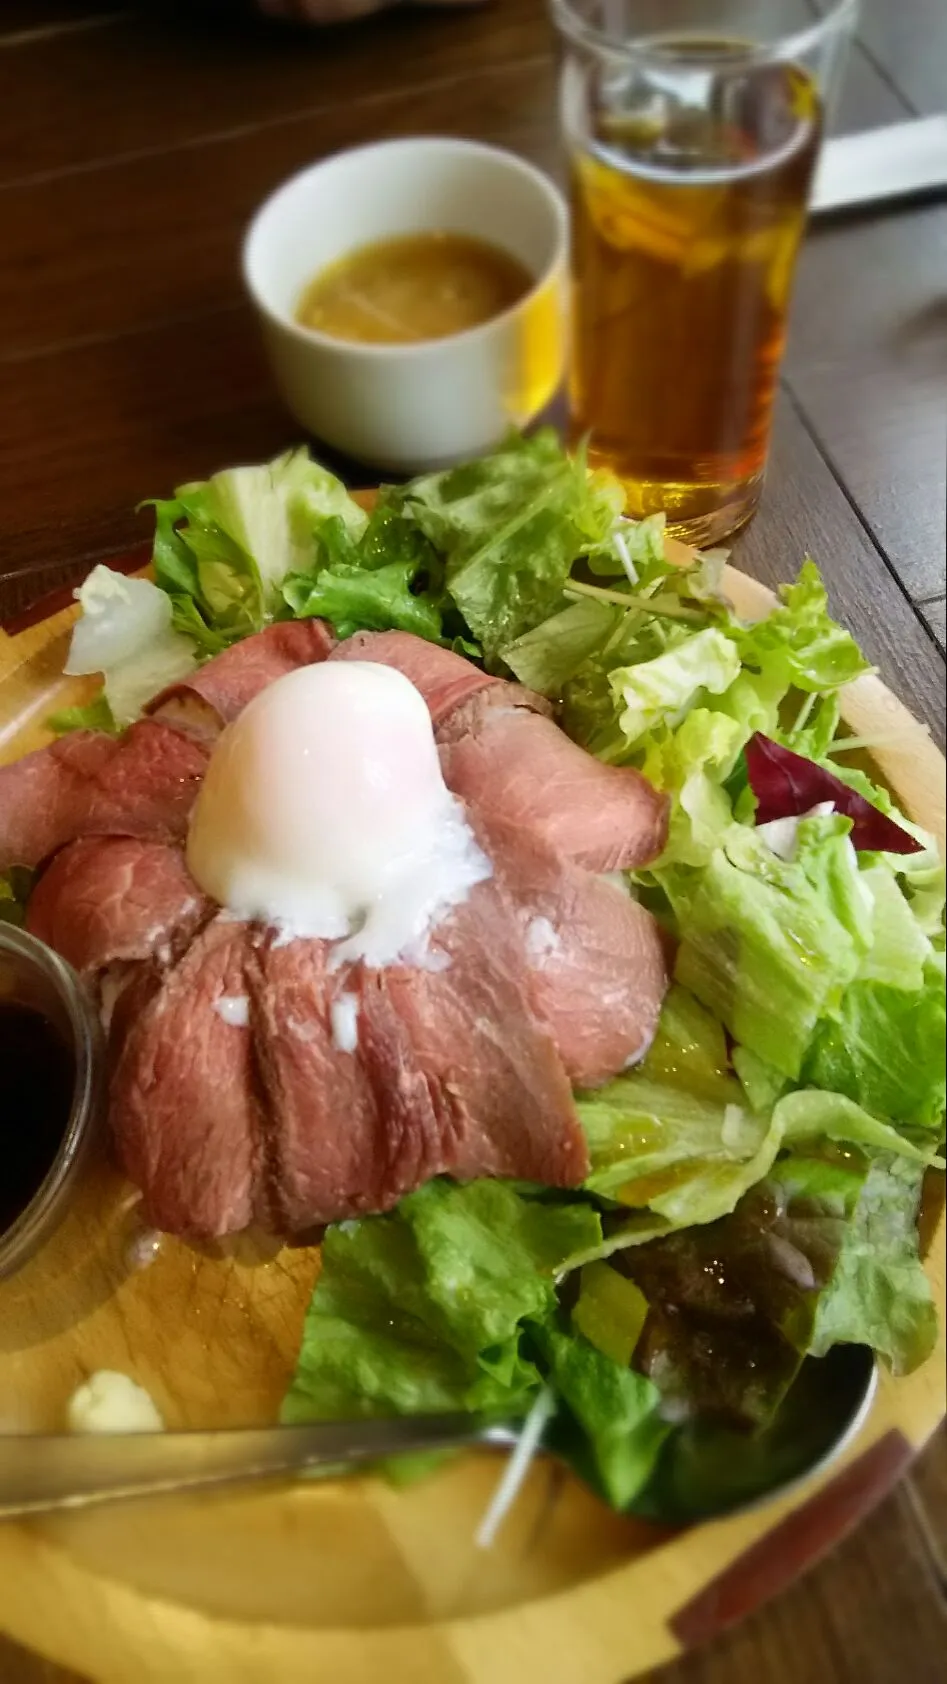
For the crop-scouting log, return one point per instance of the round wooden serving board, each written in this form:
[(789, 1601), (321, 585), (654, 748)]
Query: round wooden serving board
[(355, 1581)]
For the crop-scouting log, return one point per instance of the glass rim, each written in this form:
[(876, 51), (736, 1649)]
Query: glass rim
[(652, 49), (42, 1215)]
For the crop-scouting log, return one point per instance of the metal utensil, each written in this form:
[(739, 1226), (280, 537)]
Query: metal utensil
[(65, 1471)]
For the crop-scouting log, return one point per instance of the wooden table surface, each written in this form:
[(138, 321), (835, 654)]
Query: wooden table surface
[(135, 141)]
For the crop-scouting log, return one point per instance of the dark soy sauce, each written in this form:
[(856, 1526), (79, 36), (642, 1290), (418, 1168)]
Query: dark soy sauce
[(37, 1074)]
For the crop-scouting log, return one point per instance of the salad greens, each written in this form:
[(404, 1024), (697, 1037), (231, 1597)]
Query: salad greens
[(754, 1184), (224, 546), (15, 886), (450, 1303)]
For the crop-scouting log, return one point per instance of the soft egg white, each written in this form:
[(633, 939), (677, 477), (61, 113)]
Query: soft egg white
[(324, 812)]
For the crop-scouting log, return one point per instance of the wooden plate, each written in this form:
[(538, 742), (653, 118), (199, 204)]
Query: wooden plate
[(349, 1582)]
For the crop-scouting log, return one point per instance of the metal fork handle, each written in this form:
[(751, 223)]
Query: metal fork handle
[(40, 1472)]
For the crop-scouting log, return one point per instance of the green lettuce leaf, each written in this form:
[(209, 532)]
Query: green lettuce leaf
[(226, 544), (798, 647), (884, 1048), (811, 1114), (492, 1256), (393, 536), (879, 1294), (769, 946), (546, 657), (689, 1049), (691, 764), (899, 948), (95, 716), (815, 726), (800, 642), (761, 1083), (616, 1410), (509, 528), (451, 1303), (659, 691), (652, 1143), (423, 1309), (274, 512), (673, 1141), (354, 598), (633, 547)]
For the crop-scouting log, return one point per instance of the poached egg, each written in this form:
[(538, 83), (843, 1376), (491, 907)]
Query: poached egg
[(324, 812)]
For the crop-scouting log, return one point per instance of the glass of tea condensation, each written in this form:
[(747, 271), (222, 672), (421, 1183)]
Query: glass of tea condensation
[(692, 128)]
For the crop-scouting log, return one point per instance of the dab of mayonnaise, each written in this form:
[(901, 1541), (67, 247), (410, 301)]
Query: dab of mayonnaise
[(109, 1402)]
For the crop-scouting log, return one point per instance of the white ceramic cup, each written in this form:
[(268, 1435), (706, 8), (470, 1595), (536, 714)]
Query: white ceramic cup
[(408, 407)]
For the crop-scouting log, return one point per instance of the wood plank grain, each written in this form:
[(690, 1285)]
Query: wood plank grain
[(141, 249), (927, 1492), (872, 1614), (171, 80), (934, 614), (867, 100), (867, 361), (158, 237), (207, 75), (23, 21), (909, 42), (86, 434)]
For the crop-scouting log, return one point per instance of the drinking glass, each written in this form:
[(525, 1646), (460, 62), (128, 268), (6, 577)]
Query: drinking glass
[(693, 129)]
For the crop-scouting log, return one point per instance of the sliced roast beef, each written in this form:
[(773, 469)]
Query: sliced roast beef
[(502, 696), (378, 1080), (142, 784), (214, 695), (510, 764), (502, 1095), (184, 1109), (326, 1142), (597, 973), (443, 678), (111, 899)]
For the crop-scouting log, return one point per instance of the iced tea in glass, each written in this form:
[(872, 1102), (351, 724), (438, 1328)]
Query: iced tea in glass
[(693, 128)]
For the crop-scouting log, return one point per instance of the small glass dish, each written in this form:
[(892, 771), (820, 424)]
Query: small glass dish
[(31, 974)]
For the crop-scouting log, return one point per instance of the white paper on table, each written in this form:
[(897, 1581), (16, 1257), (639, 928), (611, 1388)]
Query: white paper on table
[(894, 162)]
